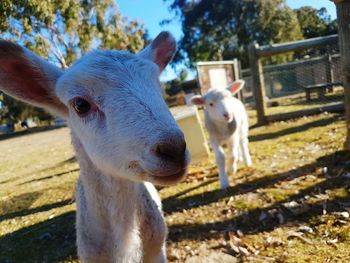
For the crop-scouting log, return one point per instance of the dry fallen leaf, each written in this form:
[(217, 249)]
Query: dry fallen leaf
[(299, 235), (306, 229)]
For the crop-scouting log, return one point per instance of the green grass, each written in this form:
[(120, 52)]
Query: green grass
[(298, 162)]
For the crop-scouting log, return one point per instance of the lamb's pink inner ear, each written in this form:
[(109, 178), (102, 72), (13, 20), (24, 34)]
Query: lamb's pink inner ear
[(197, 100), (22, 80), (27, 77), (161, 50), (165, 47), (236, 86)]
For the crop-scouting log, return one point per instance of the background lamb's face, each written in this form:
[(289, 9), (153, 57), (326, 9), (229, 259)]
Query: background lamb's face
[(219, 105)]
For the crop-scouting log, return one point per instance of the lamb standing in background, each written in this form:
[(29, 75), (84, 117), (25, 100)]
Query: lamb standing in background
[(123, 135), (227, 122)]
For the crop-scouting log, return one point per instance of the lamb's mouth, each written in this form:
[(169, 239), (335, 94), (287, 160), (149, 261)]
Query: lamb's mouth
[(159, 177), (168, 179)]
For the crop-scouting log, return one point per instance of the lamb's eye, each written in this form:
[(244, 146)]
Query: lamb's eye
[(211, 104), (81, 106)]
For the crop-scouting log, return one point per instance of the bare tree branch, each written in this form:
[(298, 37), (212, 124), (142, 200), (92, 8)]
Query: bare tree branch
[(55, 51)]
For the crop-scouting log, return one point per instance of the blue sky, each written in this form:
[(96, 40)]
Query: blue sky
[(152, 12)]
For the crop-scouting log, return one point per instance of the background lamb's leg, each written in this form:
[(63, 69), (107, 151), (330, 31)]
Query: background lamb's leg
[(240, 154), (229, 164), (235, 152), (245, 152), (220, 162)]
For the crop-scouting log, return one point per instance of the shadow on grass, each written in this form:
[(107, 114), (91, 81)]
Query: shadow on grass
[(248, 221), (70, 160), (207, 182), (25, 212), (173, 204), (50, 176), (20, 202), (301, 128), (52, 240), (316, 101)]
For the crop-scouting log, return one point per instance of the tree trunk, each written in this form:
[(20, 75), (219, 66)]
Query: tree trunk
[(343, 14)]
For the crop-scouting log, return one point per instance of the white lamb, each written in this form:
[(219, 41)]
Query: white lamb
[(124, 137), (227, 123)]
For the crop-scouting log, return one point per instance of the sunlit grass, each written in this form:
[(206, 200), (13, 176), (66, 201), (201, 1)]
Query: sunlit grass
[(300, 178)]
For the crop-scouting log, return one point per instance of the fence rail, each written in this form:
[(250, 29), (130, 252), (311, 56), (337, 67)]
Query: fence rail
[(269, 50), (289, 78)]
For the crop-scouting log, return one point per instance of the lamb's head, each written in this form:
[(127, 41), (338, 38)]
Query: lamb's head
[(219, 103), (113, 104)]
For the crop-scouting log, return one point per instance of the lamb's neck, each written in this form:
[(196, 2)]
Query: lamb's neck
[(108, 205), (113, 196), (105, 188)]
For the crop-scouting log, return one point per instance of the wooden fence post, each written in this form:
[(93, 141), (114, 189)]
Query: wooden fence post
[(329, 69), (237, 75), (343, 17), (258, 84)]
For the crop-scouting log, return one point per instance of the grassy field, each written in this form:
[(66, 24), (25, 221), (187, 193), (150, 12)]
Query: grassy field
[(293, 206)]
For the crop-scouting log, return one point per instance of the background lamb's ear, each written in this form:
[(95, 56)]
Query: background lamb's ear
[(27, 77), (236, 86), (197, 100), (161, 50)]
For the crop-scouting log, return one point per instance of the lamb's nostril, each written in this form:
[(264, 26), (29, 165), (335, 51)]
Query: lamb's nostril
[(171, 151), (226, 115)]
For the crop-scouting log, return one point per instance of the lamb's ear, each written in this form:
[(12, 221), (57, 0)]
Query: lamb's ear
[(197, 100), (161, 50), (236, 86), (27, 77)]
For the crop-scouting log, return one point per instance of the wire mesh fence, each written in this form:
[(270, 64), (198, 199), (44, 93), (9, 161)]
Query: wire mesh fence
[(311, 79)]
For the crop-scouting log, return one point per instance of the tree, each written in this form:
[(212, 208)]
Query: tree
[(173, 86), (13, 111), (315, 23), (223, 29), (62, 31)]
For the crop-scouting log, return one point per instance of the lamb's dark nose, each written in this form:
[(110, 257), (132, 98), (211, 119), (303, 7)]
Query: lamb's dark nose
[(171, 149)]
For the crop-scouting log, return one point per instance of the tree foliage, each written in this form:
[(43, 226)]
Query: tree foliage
[(223, 29), (315, 23), (13, 111), (173, 86), (62, 31)]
